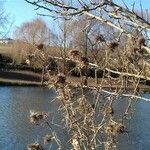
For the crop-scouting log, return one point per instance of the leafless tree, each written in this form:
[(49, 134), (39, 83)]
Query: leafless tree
[(5, 21), (31, 34), (34, 32)]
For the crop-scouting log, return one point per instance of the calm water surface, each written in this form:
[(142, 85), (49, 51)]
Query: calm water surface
[(16, 131)]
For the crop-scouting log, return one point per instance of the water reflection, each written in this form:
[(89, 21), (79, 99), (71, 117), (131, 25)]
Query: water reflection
[(16, 131)]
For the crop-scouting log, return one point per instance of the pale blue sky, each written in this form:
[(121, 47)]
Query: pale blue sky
[(21, 11)]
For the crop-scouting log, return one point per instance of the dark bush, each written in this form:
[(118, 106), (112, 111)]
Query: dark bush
[(91, 73), (6, 59), (1, 58)]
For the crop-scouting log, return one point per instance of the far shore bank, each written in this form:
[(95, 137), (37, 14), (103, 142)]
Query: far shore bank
[(29, 78), (19, 78)]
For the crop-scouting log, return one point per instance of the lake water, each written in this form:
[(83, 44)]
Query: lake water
[(16, 131)]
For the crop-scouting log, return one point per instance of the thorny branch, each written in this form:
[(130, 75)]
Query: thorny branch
[(91, 10), (91, 122)]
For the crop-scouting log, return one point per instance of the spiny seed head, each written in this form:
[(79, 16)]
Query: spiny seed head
[(141, 41), (93, 106), (61, 79), (34, 146), (100, 38), (74, 55), (113, 45), (36, 117), (84, 61), (110, 129), (108, 111), (47, 138), (115, 128), (120, 128), (40, 46)]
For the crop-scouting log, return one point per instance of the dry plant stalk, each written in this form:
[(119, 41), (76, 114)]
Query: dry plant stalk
[(91, 122)]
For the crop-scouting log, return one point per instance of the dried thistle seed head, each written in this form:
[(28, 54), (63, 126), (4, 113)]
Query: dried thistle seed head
[(34, 146), (84, 62), (74, 55), (141, 41), (36, 117), (40, 46), (61, 79), (100, 38), (120, 128), (108, 111), (93, 106), (113, 45), (47, 139), (110, 129)]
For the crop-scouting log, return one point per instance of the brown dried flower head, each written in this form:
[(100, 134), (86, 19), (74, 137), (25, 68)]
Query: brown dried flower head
[(110, 129), (93, 106), (113, 45), (108, 111), (120, 128), (74, 55), (84, 61), (36, 117), (61, 79), (34, 146), (48, 138), (100, 38), (40, 46), (141, 41), (115, 128)]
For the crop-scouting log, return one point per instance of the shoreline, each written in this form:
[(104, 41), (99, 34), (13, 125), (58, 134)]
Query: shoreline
[(7, 82), (19, 78), (29, 78)]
